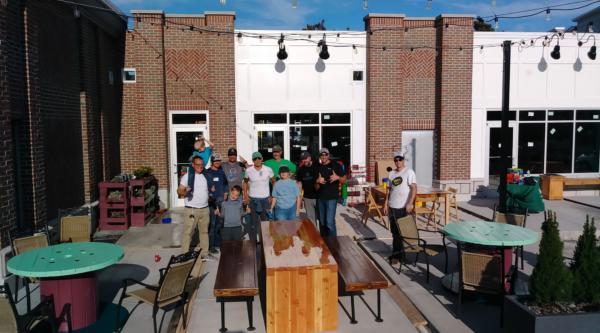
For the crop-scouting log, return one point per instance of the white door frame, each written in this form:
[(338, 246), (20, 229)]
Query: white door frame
[(515, 150), (274, 128)]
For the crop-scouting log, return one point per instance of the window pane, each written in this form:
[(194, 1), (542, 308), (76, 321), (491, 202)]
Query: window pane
[(270, 118), (304, 118), (495, 164), (129, 75), (497, 115), (179, 119), (531, 147), (588, 115), (266, 141), (304, 138), (532, 115), (357, 75), (587, 146), (559, 148), (337, 140), (560, 115), (335, 118)]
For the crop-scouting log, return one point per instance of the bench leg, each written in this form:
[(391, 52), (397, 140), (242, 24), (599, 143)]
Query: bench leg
[(223, 328), (249, 304), (353, 321), (378, 319)]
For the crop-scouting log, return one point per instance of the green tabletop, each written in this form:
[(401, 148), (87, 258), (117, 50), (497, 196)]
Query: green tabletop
[(525, 196), (490, 233), (65, 259)]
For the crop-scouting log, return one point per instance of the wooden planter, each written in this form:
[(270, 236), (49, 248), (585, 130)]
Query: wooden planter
[(107, 204), (143, 202), (520, 319)]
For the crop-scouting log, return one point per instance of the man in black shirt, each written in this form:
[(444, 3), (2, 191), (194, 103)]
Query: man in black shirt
[(331, 174), (305, 176)]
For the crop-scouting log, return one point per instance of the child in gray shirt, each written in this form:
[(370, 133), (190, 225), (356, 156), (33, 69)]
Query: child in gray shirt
[(232, 213)]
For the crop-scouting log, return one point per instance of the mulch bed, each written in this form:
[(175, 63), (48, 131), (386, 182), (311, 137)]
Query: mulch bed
[(562, 307)]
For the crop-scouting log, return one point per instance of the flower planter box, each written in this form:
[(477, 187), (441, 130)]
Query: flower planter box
[(142, 202), (520, 319), (107, 187)]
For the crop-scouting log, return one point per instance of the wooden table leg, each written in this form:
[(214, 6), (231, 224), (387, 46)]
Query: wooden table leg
[(447, 209)]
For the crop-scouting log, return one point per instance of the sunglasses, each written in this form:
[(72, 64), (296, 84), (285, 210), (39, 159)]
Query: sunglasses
[(256, 158), (398, 159)]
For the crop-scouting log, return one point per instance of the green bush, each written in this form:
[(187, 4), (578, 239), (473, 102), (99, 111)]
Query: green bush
[(586, 265), (551, 280), (142, 172)]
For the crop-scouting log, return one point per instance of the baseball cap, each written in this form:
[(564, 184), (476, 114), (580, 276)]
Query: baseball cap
[(256, 154), (323, 150), (277, 148), (216, 157), (304, 155), (232, 152), (283, 168), (399, 153)]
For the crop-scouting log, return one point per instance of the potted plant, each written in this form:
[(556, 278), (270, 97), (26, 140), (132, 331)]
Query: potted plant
[(143, 172), (561, 299)]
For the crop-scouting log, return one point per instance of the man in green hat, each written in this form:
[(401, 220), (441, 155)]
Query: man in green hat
[(278, 161), (257, 194)]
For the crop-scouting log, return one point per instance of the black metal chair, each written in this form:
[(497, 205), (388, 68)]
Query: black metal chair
[(11, 321), (169, 289), (514, 216)]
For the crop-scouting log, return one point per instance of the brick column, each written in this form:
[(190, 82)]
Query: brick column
[(385, 71), (454, 100)]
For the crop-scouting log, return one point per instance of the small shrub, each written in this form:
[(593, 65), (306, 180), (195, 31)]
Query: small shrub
[(586, 266), (143, 172), (551, 280)]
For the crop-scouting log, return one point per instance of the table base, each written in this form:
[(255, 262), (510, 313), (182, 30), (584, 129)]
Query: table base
[(75, 296)]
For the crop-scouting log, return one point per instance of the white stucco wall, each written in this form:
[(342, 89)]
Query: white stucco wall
[(301, 83)]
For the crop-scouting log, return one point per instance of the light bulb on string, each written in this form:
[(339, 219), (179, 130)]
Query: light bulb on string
[(532, 42), (281, 54), (260, 38), (337, 38), (294, 3), (365, 4), (548, 14), (324, 54), (561, 35), (493, 3), (223, 2), (354, 48), (405, 31), (436, 51), (191, 28), (591, 27), (384, 48), (481, 50), (239, 37), (496, 25), (77, 13), (429, 2), (574, 32), (461, 49)]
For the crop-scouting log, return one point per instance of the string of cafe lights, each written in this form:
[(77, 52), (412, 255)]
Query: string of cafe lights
[(323, 45)]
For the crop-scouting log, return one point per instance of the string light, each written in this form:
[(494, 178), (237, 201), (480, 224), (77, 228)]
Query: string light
[(493, 3), (591, 27), (481, 50), (223, 2), (337, 38), (447, 25), (405, 31), (429, 4), (436, 51), (548, 14), (574, 32), (239, 37), (461, 49), (77, 13), (281, 54), (354, 48), (294, 3), (384, 48), (412, 49), (324, 54), (496, 25), (365, 4), (191, 28), (260, 38)]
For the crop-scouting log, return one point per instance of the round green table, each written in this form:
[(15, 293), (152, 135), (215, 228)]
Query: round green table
[(501, 235), (68, 273)]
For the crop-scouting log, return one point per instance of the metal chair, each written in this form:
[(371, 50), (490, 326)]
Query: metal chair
[(483, 273), (424, 210), (75, 229), (10, 319), (169, 289), (514, 219), (412, 243)]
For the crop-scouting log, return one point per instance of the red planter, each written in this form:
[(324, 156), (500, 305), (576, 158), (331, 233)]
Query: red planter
[(107, 204), (137, 203)]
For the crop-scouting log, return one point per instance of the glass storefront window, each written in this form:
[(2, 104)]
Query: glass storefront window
[(304, 118), (188, 118), (335, 118), (266, 141), (532, 115), (587, 147), (531, 147), (588, 115), (270, 118), (560, 115), (559, 147), (337, 140), (497, 115), (304, 138)]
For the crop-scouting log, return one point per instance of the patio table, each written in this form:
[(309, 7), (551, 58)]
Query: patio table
[(68, 273), (500, 235)]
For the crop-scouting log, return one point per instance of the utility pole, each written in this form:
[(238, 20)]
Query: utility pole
[(505, 163)]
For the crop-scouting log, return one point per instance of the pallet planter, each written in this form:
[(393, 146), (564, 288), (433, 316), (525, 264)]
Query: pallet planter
[(141, 213), (108, 205), (518, 318)]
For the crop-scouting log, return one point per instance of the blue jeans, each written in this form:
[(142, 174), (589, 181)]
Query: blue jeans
[(285, 214), (216, 223), (327, 216)]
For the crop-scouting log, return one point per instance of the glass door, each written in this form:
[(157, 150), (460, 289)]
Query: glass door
[(182, 147), (269, 136), (494, 152)]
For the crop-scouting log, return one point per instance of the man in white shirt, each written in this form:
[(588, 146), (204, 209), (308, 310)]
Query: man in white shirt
[(257, 194), (196, 212), (401, 195)]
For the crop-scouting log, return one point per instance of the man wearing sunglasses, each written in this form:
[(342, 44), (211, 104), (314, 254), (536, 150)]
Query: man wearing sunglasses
[(400, 197), (257, 194), (331, 175)]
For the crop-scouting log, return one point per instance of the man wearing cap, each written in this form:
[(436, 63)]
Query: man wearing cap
[(234, 170), (277, 161), (256, 194), (400, 197), (305, 176), (221, 189), (330, 176)]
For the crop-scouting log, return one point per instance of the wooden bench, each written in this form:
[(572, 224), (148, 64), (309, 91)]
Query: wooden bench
[(581, 181), (357, 271), (552, 186), (237, 276)]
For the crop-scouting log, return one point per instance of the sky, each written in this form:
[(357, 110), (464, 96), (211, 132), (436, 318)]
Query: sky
[(343, 14)]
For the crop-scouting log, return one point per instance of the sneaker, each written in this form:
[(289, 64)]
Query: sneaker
[(209, 257), (213, 251)]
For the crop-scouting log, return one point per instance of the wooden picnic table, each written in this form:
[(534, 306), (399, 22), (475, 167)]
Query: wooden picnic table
[(68, 273), (422, 191), (302, 281)]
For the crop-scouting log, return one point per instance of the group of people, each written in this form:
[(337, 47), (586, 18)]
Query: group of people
[(230, 199)]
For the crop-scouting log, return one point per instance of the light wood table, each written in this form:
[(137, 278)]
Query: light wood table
[(422, 191), (302, 281)]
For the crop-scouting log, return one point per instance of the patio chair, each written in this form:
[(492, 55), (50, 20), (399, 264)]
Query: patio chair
[(514, 219), (484, 273), (424, 210), (453, 202), (169, 289), (25, 244), (412, 243), (75, 229), (10, 319)]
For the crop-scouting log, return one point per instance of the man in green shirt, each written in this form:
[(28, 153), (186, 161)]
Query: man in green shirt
[(277, 161)]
